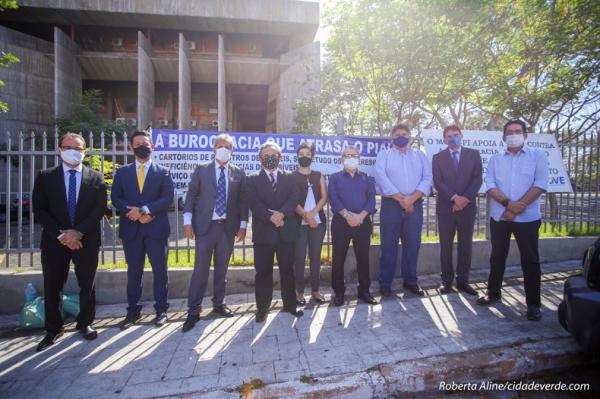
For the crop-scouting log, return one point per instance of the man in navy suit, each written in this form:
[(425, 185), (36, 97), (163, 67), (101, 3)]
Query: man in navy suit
[(142, 192), (457, 179)]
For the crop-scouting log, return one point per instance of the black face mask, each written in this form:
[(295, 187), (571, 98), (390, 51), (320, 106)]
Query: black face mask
[(270, 162), (304, 161), (142, 152)]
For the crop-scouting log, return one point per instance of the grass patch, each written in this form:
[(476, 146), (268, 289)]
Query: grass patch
[(307, 379), (247, 388)]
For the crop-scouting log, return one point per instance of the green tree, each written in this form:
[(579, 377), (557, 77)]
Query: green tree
[(85, 117), (6, 59)]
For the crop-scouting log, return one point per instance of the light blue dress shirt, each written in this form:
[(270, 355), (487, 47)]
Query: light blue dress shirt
[(514, 175), (402, 172)]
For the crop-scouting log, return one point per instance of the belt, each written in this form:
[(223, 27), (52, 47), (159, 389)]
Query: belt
[(222, 221)]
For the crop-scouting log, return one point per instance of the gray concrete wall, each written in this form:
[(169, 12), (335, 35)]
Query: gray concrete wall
[(29, 89), (145, 89), (299, 81), (110, 285), (185, 85), (221, 86), (67, 73)]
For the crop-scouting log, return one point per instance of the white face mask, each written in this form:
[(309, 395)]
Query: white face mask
[(223, 154), (515, 140), (72, 157), (351, 163)]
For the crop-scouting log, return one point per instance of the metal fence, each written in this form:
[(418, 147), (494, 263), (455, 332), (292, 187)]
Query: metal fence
[(23, 154)]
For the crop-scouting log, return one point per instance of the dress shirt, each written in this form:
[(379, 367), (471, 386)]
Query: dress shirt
[(355, 194), (402, 172), (67, 175), (514, 175), (187, 216)]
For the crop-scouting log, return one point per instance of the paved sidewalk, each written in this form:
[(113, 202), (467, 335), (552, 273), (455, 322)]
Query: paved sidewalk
[(219, 355)]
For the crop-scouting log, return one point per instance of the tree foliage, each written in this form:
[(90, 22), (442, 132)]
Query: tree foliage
[(472, 63), (6, 59), (84, 116)]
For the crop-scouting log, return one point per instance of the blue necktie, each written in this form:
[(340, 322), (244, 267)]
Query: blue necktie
[(221, 195), (72, 201), (455, 159)]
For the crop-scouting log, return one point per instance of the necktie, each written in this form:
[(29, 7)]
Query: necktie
[(141, 177), (72, 201), (221, 194), (455, 159), (273, 182)]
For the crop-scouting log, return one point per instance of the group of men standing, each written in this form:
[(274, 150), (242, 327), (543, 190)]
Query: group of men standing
[(70, 200)]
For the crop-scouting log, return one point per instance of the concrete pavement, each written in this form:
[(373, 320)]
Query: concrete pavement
[(403, 344)]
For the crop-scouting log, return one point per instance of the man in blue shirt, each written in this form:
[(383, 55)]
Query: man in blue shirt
[(352, 200), (515, 181), (404, 178)]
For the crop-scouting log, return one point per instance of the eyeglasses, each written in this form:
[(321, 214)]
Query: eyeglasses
[(67, 147), (514, 131), (348, 156)]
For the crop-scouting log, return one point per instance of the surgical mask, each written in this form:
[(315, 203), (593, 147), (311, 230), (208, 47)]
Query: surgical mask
[(72, 157), (401, 141), (351, 163), (454, 141), (304, 161), (142, 152), (223, 154), (515, 140), (270, 162)]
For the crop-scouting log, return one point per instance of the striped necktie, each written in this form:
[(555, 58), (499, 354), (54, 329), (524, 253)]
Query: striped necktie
[(273, 181)]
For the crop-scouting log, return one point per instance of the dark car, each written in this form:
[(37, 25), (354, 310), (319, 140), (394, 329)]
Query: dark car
[(25, 200), (579, 312)]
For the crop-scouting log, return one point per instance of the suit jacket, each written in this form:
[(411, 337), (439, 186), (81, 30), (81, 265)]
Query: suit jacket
[(202, 195), (157, 195), (448, 181), (51, 208), (261, 198)]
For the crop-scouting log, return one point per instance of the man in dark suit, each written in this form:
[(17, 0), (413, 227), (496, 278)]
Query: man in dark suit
[(457, 179), (273, 197), (142, 192), (215, 214), (69, 201)]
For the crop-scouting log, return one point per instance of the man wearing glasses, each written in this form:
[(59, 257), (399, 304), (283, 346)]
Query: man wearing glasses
[(404, 178), (515, 180), (69, 201), (352, 199)]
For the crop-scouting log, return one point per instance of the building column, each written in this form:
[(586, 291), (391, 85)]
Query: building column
[(299, 81), (221, 82), (145, 87), (67, 73), (185, 85)]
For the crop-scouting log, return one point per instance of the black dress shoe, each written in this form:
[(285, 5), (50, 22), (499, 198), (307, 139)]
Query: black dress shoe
[(160, 319), (447, 289), (318, 300), (89, 333), (415, 289), (338, 300), (534, 313), (48, 340), (385, 291), (366, 297), (190, 322), (223, 310), (260, 316), (466, 288), (487, 299), (130, 320), (295, 312)]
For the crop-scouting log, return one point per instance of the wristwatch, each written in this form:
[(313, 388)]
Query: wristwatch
[(143, 211), (505, 202)]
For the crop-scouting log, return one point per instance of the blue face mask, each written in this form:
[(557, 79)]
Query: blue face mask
[(401, 141), (454, 141)]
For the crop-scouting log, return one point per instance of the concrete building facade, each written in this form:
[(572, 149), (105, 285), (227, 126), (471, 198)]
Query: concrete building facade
[(237, 65)]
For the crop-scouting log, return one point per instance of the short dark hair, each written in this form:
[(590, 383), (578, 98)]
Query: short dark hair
[(400, 126), (451, 128), (512, 122), (139, 133), (310, 147)]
